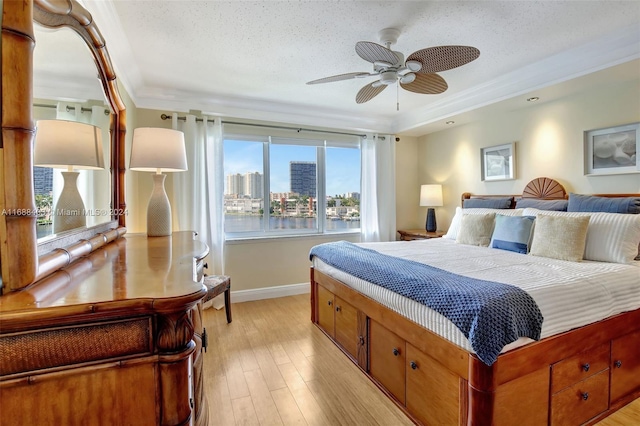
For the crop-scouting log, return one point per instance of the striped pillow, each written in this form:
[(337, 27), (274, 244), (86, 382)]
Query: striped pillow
[(611, 237)]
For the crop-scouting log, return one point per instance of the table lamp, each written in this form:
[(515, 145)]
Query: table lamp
[(431, 196), (68, 145), (158, 150)]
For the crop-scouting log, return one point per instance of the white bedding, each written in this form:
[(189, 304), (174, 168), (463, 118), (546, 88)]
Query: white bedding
[(569, 294)]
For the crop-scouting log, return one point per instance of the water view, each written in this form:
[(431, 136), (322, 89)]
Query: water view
[(253, 223)]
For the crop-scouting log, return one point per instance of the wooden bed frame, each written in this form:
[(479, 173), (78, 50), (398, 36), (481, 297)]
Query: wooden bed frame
[(576, 377)]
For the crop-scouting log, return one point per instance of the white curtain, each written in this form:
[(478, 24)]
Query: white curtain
[(378, 198), (197, 203)]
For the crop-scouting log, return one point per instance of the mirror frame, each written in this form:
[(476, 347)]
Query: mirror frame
[(20, 260)]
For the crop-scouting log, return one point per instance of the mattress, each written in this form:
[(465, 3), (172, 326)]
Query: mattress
[(569, 294)]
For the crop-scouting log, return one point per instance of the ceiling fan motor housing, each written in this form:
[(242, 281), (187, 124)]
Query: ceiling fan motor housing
[(388, 77)]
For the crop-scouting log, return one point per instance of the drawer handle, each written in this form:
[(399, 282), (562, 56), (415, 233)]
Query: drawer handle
[(338, 308), (618, 364), (396, 352), (329, 302), (586, 367), (585, 396), (361, 339), (413, 365)]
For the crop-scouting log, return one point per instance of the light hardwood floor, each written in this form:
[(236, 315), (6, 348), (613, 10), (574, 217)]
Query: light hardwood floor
[(272, 366)]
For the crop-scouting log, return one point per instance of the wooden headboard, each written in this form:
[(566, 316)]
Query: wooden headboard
[(542, 188)]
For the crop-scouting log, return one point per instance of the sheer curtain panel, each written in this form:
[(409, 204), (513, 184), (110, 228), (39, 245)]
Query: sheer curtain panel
[(198, 193), (378, 203)]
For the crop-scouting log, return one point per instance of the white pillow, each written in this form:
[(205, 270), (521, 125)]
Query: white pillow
[(454, 228), (611, 237)]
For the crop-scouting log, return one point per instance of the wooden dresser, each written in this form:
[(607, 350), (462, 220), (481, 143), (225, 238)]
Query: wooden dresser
[(114, 339)]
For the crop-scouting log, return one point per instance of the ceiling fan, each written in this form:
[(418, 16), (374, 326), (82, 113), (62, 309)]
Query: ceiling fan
[(417, 74)]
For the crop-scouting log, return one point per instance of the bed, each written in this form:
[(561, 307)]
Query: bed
[(582, 365)]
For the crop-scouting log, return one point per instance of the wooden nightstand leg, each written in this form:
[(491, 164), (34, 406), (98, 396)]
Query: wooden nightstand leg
[(227, 304)]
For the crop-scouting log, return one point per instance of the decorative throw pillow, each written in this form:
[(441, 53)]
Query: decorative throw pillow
[(560, 237), (452, 233), (512, 233), (611, 237), (592, 203), (476, 229), (488, 203), (555, 205)]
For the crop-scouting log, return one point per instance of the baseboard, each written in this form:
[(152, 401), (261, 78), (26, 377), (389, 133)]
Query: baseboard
[(268, 292)]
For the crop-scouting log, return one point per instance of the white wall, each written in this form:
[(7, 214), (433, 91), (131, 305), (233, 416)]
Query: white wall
[(549, 142)]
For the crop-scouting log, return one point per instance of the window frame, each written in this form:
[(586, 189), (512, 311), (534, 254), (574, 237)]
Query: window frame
[(321, 144)]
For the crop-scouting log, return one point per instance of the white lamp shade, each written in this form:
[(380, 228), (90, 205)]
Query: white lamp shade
[(60, 144), (158, 149), (431, 195)]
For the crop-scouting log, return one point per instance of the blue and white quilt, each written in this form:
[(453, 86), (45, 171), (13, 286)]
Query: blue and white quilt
[(491, 315)]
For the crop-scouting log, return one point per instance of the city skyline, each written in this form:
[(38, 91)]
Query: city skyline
[(343, 165)]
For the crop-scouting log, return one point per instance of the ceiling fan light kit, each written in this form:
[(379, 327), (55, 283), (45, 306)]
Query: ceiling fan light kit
[(417, 74)]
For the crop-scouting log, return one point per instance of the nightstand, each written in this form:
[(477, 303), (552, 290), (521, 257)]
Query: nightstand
[(418, 234)]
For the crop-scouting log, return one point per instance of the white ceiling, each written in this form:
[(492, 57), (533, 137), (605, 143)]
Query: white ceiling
[(252, 59)]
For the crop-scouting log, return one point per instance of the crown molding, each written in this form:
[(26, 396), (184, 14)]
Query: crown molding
[(613, 49)]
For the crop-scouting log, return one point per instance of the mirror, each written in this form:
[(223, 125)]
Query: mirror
[(66, 87), (24, 260)]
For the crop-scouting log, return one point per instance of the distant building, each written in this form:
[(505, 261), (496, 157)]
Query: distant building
[(303, 177), (42, 180), (253, 185), (250, 185), (354, 195), (234, 184)]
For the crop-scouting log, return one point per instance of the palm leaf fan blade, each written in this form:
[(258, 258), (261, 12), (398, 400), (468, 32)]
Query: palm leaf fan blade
[(428, 84), (443, 58), (369, 92)]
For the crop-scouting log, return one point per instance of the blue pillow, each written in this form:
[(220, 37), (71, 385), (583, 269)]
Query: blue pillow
[(487, 203), (512, 233), (555, 205), (592, 203)]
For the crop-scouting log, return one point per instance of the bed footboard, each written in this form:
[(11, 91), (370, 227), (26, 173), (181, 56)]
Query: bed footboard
[(572, 378)]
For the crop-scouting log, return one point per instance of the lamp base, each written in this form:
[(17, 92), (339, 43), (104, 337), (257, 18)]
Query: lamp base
[(159, 210), (431, 221), (69, 210)]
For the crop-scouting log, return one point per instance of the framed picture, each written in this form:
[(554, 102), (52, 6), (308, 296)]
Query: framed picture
[(498, 162), (613, 150)]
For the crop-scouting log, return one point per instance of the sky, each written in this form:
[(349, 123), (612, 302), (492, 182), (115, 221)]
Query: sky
[(343, 164)]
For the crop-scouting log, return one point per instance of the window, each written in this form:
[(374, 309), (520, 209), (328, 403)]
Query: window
[(284, 186)]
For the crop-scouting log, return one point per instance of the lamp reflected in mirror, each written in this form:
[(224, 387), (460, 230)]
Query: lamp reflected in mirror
[(158, 150), (72, 146)]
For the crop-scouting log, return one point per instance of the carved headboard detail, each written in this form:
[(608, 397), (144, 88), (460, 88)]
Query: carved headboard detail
[(544, 188)]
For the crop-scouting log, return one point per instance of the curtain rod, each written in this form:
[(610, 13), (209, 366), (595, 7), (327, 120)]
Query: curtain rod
[(168, 117), (297, 129), (70, 108)]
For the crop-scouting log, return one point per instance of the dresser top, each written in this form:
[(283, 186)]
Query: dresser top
[(135, 272)]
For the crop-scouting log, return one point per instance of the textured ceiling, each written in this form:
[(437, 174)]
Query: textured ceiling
[(252, 59)]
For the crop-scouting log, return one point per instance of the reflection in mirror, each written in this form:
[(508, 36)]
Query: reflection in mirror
[(66, 88)]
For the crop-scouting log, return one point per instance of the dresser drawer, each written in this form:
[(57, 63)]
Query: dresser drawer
[(582, 401), (579, 367)]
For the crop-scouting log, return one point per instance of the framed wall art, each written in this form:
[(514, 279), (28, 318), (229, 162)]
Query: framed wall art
[(613, 150), (498, 162)]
